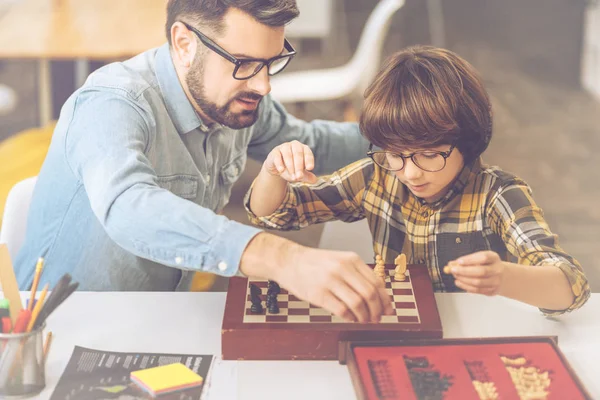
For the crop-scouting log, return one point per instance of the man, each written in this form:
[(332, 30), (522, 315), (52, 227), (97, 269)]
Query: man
[(145, 154)]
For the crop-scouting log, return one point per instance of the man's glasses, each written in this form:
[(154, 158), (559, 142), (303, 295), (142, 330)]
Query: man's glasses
[(427, 160), (246, 68)]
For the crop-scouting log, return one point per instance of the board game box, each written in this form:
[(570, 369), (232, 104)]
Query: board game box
[(524, 368), (305, 332)]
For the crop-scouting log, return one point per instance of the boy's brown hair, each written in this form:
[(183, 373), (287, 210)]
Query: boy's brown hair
[(424, 97)]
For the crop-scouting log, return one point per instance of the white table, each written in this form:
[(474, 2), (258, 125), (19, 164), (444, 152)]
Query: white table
[(191, 323)]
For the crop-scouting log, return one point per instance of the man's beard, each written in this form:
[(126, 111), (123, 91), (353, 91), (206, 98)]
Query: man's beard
[(222, 115)]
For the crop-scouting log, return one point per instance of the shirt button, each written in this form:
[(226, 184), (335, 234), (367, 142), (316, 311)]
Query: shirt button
[(425, 214), (222, 266), (207, 178), (458, 240), (178, 260)]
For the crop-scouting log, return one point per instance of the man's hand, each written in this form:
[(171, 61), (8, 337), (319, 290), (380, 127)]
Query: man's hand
[(481, 272), (292, 161), (337, 281)]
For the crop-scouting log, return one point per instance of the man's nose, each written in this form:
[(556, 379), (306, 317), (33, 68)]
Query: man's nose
[(261, 82)]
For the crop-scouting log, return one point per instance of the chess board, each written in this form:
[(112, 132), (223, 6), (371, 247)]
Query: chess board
[(303, 331), (292, 309)]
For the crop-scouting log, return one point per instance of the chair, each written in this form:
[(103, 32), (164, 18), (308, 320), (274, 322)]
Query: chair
[(347, 80), (348, 236), (8, 100), (14, 222)]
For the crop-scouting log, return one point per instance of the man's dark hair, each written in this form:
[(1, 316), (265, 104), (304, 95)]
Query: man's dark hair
[(209, 13)]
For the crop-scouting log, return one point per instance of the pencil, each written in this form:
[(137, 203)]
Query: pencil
[(47, 345), (36, 280), (37, 308)]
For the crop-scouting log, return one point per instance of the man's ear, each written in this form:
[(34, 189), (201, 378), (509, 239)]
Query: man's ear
[(184, 44)]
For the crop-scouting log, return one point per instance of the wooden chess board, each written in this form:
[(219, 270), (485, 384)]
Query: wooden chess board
[(303, 331)]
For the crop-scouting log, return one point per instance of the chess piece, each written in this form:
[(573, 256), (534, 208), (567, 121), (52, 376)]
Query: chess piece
[(273, 287), (273, 290), (400, 272), (256, 307), (272, 305), (379, 269)]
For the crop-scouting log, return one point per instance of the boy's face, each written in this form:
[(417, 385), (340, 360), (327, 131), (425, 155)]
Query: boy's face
[(431, 186)]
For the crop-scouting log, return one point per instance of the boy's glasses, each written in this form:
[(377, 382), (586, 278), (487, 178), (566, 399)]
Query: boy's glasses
[(246, 68), (427, 160)]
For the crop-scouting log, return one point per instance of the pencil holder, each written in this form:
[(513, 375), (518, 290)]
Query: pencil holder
[(22, 363)]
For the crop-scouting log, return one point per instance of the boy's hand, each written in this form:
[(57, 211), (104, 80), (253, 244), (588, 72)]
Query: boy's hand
[(292, 161), (480, 272)]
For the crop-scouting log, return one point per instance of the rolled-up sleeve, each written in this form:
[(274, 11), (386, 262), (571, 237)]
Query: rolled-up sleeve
[(333, 197), (334, 144), (514, 215), (107, 152)]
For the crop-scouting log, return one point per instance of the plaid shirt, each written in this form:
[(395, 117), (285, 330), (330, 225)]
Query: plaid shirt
[(485, 209)]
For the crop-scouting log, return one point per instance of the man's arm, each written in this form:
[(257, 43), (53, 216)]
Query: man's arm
[(105, 147), (106, 151), (334, 144)]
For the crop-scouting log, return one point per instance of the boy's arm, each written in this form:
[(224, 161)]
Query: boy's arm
[(288, 162), (544, 275), (334, 144), (334, 197)]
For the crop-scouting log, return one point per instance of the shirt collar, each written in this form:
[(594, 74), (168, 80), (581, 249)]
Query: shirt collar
[(459, 183), (180, 109)]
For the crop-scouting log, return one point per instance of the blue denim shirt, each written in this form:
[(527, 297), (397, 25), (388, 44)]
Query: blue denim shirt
[(129, 194)]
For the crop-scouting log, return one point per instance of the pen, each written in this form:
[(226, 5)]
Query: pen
[(6, 325), (22, 321), (36, 280), (54, 295), (47, 345), (57, 302), (37, 308), (4, 308)]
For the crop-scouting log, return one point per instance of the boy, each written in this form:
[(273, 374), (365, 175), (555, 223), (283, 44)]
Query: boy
[(425, 191)]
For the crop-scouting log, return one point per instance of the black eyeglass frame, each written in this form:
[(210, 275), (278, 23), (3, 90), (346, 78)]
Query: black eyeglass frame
[(445, 154), (211, 44)]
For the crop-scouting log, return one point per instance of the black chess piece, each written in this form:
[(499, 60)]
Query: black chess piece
[(272, 305), (273, 287), (256, 307)]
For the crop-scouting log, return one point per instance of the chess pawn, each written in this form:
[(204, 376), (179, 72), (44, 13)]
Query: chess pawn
[(400, 272), (379, 270)]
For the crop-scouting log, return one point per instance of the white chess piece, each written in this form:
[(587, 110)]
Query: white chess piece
[(400, 273)]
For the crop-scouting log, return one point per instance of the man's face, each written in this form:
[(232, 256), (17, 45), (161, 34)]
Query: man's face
[(220, 97), (431, 186)]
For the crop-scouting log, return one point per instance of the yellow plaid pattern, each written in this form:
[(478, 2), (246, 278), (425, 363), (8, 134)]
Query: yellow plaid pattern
[(485, 209)]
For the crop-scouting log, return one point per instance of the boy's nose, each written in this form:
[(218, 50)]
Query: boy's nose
[(411, 171)]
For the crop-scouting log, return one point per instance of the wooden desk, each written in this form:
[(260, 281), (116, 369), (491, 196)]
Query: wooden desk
[(80, 30), (132, 322)]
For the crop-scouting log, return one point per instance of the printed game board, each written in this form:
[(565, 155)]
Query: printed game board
[(463, 369), (302, 331)]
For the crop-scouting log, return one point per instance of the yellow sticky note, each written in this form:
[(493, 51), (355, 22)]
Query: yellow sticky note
[(166, 378)]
